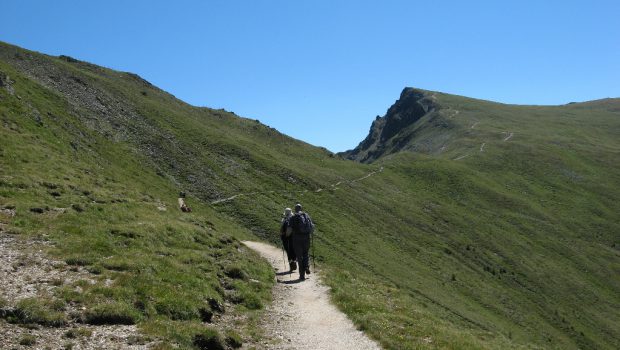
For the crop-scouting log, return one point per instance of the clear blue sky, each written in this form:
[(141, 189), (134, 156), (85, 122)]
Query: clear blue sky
[(321, 71)]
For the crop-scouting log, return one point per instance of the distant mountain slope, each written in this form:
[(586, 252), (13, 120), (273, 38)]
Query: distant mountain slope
[(498, 230), (443, 125)]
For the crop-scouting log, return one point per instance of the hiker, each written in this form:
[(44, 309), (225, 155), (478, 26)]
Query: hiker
[(285, 234), (302, 229)]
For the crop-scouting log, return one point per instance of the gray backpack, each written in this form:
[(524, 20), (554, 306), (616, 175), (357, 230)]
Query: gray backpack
[(302, 223)]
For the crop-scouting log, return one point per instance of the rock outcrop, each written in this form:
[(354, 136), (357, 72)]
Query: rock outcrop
[(387, 133)]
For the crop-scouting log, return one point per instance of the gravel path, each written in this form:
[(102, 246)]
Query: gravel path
[(302, 316)]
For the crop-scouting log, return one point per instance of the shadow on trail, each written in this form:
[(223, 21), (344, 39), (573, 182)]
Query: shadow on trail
[(291, 281)]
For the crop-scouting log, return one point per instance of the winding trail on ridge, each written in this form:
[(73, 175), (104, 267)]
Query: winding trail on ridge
[(333, 187), (301, 315), (461, 157), (509, 136)]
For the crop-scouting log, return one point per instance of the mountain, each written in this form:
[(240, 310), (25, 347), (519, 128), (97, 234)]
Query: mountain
[(392, 133), (462, 224), (445, 126)]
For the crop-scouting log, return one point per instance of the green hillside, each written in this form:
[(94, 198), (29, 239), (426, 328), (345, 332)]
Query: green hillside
[(433, 244)]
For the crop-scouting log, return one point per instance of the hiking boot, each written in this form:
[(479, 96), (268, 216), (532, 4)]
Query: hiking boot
[(302, 277), (293, 265), (307, 270)]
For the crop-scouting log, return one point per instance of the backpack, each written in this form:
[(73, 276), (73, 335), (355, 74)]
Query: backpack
[(302, 223), (286, 229)]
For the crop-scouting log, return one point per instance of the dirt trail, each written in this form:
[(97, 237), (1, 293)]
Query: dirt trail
[(367, 175), (461, 157), (302, 316)]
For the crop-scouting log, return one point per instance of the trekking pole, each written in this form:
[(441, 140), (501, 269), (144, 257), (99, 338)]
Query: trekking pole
[(283, 257), (313, 256)]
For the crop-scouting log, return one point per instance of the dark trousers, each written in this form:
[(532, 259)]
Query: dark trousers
[(301, 244), (287, 243)]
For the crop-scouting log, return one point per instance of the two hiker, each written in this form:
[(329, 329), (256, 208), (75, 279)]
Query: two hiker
[(295, 232)]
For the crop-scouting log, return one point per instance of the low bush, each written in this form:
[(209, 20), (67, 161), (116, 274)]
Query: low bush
[(112, 313), (176, 308), (40, 311), (233, 339), (27, 340), (78, 333), (209, 339), (78, 261), (236, 272)]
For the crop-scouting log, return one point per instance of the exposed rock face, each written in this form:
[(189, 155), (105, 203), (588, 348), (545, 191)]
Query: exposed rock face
[(109, 112), (383, 137), (6, 83)]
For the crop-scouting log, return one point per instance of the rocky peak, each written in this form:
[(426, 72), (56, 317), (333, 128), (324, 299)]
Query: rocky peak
[(412, 105)]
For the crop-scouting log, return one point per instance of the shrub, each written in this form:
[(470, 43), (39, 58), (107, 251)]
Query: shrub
[(176, 308), (112, 313), (78, 261), (252, 301), (78, 332), (233, 339), (118, 264), (27, 340), (95, 269), (216, 305), (45, 312), (206, 315), (236, 272), (209, 339)]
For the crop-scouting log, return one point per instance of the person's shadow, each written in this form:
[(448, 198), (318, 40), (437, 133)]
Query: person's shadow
[(284, 273), (291, 281)]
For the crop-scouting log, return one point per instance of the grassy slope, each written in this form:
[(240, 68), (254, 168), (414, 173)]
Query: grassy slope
[(165, 266), (514, 246), (528, 225)]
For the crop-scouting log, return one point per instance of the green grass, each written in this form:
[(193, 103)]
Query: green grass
[(513, 247), (74, 333), (27, 340), (148, 265), (45, 312)]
